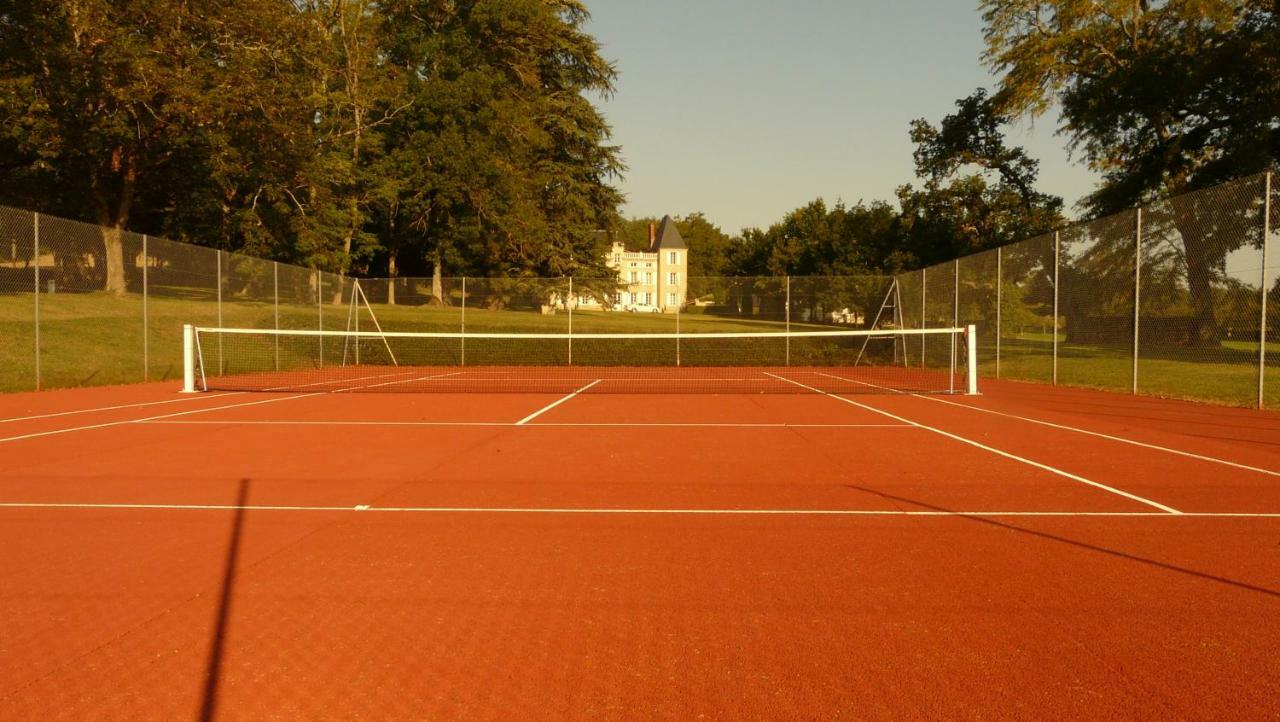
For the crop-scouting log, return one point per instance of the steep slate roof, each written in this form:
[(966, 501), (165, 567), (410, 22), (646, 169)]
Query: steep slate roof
[(668, 237)]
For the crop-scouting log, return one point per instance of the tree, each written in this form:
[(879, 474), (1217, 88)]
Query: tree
[(113, 110), (978, 192), (1161, 98), (502, 166)]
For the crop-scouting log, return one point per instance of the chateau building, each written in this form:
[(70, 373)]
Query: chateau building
[(654, 280)]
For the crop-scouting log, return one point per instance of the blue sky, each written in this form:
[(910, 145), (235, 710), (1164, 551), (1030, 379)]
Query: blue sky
[(746, 109)]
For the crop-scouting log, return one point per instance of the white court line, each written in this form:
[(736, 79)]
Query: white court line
[(1121, 439), (554, 404), (673, 512), (1109, 437), (114, 408), (581, 424), (336, 381), (402, 381), (56, 432), (984, 447)]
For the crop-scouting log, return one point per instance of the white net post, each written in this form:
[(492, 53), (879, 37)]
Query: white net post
[(971, 359), (35, 221), (1262, 285), (188, 359)]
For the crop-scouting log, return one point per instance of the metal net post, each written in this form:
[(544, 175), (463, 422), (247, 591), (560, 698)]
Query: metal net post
[(1137, 294), (1057, 294), (999, 302), (1262, 292), (35, 221), (146, 336)]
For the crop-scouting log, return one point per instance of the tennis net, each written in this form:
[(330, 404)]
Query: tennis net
[(937, 360)]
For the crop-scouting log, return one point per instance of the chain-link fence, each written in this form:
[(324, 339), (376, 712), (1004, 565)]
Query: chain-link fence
[(1168, 300)]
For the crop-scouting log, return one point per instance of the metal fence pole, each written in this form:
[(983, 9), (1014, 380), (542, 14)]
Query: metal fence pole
[(218, 258), (1057, 262), (1262, 327), (678, 305), (955, 317), (924, 313), (787, 313), (1137, 294), (35, 250), (462, 339), (275, 296), (999, 299), (320, 311), (146, 349), (569, 303)]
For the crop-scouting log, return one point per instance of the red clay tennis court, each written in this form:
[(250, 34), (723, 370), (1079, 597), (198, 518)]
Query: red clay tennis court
[(1028, 552)]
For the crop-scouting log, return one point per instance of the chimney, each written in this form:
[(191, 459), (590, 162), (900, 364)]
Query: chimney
[(653, 235)]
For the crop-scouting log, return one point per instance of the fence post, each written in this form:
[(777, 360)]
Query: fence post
[(955, 311), (146, 346), (35, 250), (787, 314), (1057, 262), (218, 258), (569, 305), (924, 313), (320, 311), (999, 299), (275, 296), (1262, 327), (1137, 294), (462, 338)]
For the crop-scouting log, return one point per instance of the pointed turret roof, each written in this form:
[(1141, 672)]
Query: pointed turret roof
[(668, 237)]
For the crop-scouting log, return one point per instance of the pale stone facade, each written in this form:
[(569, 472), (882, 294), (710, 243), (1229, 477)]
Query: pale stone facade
[(654, 280)]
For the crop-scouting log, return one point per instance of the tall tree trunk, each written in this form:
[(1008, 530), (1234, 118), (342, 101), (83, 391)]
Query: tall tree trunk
[(391, 278), (113, 216), (113, 247), (1203, 252), (437, 279)]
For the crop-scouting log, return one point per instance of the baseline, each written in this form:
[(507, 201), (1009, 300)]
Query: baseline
[(639, 511)]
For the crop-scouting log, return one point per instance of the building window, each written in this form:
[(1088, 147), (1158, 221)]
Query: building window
[(617, 258), (648, 298), (673, 257), (673, 278), (671, 299), (634, 276), (648, 265), (648, 277)]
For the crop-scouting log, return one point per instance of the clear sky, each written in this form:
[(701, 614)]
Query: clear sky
[(746, 109)]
